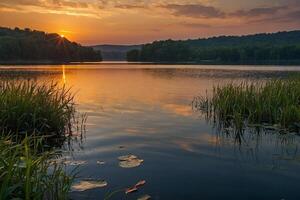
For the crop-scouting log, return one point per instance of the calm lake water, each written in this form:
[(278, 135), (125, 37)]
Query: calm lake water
[(146, 110)]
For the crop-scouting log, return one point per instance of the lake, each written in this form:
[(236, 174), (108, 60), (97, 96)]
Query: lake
[(147, 111)]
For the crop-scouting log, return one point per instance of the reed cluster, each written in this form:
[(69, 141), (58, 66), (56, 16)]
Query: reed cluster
[(274, 103), (27, 174), (27, 107), (31, 115)]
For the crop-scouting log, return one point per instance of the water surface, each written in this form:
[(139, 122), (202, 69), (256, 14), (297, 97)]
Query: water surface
[(146, 110)]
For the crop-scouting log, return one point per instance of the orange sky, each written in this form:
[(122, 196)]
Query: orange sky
[(139, 21)]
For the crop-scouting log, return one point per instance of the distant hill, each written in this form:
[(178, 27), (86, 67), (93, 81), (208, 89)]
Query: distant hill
[(279, 38), (115, 52), (265, 48), (25, 46)]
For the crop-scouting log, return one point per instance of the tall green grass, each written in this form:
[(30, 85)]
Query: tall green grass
[(27, 107), (27, 174), (275, 102), (32, 115)]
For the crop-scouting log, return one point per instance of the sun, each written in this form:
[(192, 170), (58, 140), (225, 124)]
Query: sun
[(62, 36)]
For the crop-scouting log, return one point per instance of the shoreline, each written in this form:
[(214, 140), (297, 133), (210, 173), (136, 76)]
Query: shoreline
[(112, 62)]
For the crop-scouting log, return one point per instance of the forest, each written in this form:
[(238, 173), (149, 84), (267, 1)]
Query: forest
[(17, 45), (266, 48)]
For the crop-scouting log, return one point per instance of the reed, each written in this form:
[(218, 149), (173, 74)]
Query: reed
[(27, 107), (34, 117), (274, 103), (27, 174)]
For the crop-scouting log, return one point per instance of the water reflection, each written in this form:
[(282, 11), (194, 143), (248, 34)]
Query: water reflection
[(262, 145), (148, 113), (64, 74)]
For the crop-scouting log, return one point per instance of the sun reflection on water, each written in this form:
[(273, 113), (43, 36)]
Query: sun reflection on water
[(64, 74)]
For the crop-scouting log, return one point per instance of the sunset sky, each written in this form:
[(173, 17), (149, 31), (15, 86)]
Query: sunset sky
[(139, 21)]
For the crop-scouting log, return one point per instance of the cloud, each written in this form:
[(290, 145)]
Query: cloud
[(67, 7), (292, 3), (203, 11), (194, 10), (295, 15), (288, 17), (189, 14), (98, 8), (22, 2), (63, 3), (195, 25), (47, 4), (255, 12), (199, 11), (129, 6)]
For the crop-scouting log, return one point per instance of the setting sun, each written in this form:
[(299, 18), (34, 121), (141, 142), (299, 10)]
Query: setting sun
[(62, 36)]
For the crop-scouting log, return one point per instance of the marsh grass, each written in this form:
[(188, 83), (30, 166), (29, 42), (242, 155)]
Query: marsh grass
[(274, 104), (27, 174), (35, 118), (27, 107)]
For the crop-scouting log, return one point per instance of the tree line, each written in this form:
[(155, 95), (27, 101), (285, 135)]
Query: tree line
[(260, 48), (31, 45)]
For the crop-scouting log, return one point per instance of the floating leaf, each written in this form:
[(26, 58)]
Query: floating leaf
[(144, 197), (135, 187), (88, 185), (130, 163), (130, 190), (75, 162), (99, 162), (140, 183), (127, 157)]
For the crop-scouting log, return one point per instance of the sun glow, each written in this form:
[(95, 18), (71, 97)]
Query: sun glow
[(64, 74), (62, 36)]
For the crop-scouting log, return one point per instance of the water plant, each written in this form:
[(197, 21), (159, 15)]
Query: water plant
[(274, 103), (35, 117), (25, 173), (27, 107)]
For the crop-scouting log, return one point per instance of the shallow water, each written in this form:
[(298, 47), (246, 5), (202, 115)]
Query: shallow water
[(146, 110)]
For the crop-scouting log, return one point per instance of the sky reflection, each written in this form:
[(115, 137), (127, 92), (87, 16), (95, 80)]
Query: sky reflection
[(148, 113)]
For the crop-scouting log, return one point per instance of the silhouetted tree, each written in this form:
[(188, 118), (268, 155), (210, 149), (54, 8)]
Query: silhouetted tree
[(28, 45), (259, 48), (133, 55)]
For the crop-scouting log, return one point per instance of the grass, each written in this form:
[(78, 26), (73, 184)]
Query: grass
[(31, 114), (27, 174), (274, 103), (30, 108)]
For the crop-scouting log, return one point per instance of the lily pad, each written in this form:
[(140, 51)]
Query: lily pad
[(88, 185), (100, 162), (131, 163), (144, 197), (127, 157)]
